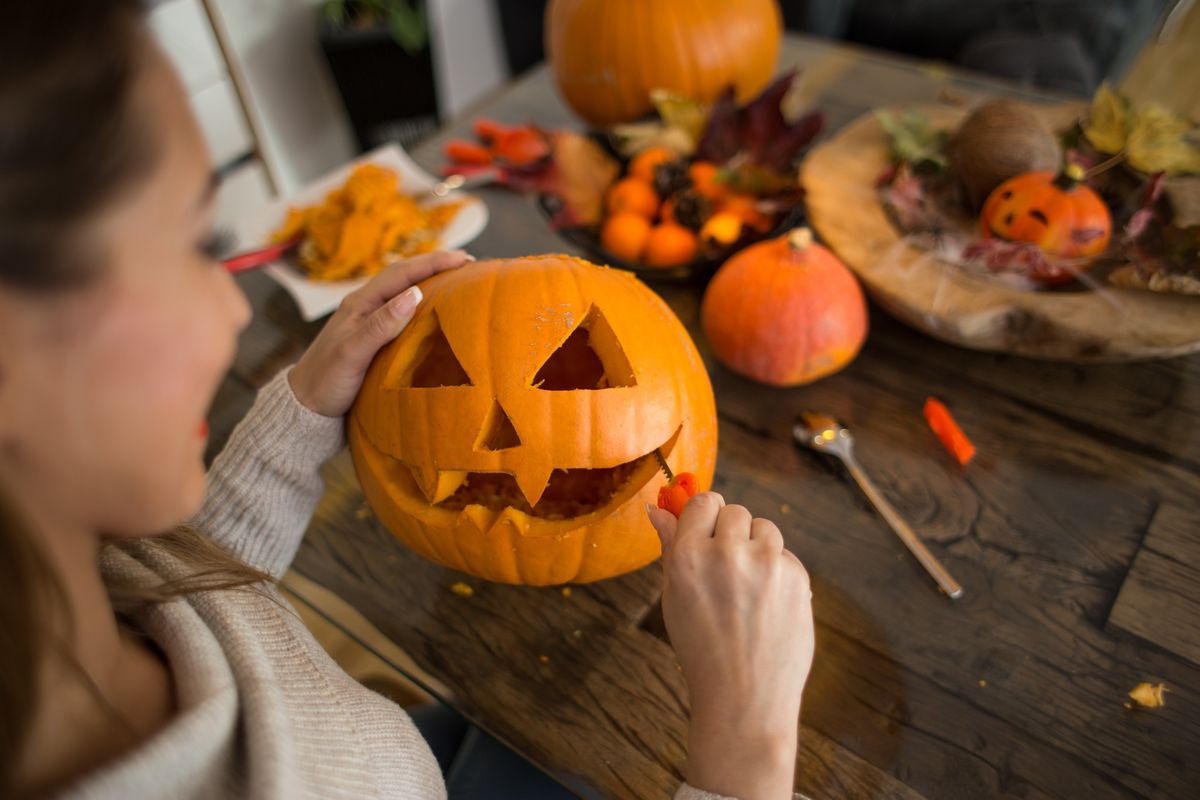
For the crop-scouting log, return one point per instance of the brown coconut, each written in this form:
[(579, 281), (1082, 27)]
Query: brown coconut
[(1000, 139)]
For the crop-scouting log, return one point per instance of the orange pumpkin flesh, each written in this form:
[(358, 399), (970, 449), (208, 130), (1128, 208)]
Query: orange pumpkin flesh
[(608, 55), (785, 312), (1061, 216), (510, 431)]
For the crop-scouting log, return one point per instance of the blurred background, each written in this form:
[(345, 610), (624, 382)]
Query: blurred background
[(287, 89)]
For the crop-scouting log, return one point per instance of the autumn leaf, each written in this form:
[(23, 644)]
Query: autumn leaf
[(1109, 120), (581, 174), (677, 111), (759, 130), (1160, 141), (913, 139)]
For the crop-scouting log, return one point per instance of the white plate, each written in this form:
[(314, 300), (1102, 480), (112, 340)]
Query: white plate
[(318, 298)]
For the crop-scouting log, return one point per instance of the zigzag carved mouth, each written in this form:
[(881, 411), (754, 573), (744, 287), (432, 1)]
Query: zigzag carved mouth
[(570, 493)]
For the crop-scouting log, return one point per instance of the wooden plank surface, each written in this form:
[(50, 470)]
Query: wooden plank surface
[(1160, 598), (566, 680), (1016, 691)]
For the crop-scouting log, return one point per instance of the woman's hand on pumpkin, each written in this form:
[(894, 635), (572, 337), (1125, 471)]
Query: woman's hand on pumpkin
[(737, 606), (328, 376)]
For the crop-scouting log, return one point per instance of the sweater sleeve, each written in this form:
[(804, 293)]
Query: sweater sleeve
[(264, 486)]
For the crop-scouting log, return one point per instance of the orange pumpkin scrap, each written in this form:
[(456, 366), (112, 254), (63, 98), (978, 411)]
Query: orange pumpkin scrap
[(363, 225), (674, 496), (1058, 213), (942, 423), (509, 431), (784, 312), (607, 56)]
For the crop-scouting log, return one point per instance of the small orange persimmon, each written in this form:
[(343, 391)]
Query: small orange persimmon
[(624, 235), (669, 245), (631, 194)]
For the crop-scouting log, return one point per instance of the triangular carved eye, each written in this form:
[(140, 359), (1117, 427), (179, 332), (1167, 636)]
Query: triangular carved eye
[(436, 363), (590, 358), (498, 432)]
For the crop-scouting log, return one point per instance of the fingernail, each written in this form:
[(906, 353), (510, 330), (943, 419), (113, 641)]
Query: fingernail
[(467, 256), (649, 509), (406, 302)]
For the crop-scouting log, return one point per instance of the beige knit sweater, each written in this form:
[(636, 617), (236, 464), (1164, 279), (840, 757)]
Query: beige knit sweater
[(264, 712)]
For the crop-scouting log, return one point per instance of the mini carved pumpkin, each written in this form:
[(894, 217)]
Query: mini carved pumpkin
[(608, 55), (510, 430), (785, 312), (1058, 213)]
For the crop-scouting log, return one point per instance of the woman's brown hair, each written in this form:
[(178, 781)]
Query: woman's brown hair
[(71, 141)]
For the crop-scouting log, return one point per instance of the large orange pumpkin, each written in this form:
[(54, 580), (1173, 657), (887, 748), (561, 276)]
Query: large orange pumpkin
[(510, 430), (608, 55), (785, 312), (1058, 213)]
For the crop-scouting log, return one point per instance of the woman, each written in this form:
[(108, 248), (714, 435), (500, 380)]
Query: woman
[(141, 664)]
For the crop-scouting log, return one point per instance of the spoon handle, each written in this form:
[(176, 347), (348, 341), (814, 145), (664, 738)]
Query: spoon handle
[(907, 535)]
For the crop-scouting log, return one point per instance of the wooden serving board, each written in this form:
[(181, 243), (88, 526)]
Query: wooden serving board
[(966, 309)]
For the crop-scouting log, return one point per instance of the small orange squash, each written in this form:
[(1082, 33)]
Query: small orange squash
[(785, 312), (1058, 213), (608, 55), (509, 431)]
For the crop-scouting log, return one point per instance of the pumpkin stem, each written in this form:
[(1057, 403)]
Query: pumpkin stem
[(1104, 166), (1071, 176), (800, 239)]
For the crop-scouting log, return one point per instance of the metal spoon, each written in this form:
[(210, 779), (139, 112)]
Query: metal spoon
[(825, 434)]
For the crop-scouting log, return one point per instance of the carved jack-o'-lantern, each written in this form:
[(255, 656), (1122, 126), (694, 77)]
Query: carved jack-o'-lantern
[(510, 430)]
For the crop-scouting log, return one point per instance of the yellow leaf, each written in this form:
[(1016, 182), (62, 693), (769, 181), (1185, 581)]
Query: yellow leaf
[(677, 111), (1159, 141), (1109, 121)]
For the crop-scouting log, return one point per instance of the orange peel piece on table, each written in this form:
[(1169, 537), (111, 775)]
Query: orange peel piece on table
[(942, 423)]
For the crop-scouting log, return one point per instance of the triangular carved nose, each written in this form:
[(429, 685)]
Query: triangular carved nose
[(497, 432)]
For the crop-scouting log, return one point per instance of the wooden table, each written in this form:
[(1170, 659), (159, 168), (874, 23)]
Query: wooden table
[(1075, 534)]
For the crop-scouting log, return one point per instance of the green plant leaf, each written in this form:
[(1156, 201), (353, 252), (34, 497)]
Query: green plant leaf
[(1109, 120), (335, 13), (408, 27), (914, 141), (1160, 141)]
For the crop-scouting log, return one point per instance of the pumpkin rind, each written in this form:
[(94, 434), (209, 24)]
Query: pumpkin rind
[(608, 55), (784, 316), (414, 446), (1070, 222)]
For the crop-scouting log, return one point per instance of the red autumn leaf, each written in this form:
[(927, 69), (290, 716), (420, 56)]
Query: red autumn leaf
[(1020, 258), (1085, 235), (758, 130)]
